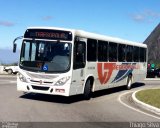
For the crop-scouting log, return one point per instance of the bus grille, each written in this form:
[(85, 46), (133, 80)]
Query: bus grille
[(40, 88), (44, 82)]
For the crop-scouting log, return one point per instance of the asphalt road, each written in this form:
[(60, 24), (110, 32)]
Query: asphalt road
[(112, 105)]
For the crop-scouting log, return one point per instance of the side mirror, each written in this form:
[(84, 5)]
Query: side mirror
[(14, 44), (14, 47)]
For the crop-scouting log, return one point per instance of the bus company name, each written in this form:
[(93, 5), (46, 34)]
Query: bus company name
[(125, 67)]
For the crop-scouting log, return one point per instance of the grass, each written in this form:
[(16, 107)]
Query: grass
[(149, 96)]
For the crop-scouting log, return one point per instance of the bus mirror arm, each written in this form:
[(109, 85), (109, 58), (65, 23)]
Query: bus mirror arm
[(14, 44)]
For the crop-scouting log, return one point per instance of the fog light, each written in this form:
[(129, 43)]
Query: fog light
[(28, 88), (60, 90), (51, 90)]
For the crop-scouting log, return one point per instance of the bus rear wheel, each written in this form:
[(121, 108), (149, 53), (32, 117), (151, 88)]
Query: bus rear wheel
[(129, 82), (87, 90)]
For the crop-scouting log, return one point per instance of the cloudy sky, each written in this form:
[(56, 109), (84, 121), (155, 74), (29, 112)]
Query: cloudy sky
[(128, 19)]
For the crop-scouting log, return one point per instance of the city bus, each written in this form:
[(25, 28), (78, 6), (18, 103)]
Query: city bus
[(59, 61)]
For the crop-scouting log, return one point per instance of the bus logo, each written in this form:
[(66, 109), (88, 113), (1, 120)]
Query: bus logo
[(105, 71)]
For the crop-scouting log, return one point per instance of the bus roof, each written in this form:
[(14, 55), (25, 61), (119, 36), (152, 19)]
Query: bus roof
[(108, 38), (86, 34)]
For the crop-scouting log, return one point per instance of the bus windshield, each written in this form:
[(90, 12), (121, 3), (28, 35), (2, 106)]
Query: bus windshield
[(45, 56)]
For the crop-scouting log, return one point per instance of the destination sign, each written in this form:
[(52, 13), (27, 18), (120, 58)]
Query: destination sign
[(48, 34)]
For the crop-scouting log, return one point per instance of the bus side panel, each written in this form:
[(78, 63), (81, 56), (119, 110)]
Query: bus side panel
[(116, 74), (77, 82)]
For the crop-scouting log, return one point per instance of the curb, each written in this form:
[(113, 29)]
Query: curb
[(152, 79), (144, 105)]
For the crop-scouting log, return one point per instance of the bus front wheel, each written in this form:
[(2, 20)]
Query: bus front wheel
[(87, 90), (129, 82)]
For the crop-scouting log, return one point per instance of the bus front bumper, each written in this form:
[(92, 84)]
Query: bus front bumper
[(43, 89)]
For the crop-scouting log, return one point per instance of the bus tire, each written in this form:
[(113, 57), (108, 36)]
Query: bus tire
[(10, 71), (129, 82), (87, 90)]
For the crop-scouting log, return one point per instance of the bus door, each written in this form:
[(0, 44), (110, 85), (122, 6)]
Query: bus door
[(79, 62)]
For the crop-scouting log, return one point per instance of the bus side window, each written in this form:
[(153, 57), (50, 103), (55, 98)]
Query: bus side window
[(112, 52), (145, 53), (142, 54), (92, 50), (129, 53), (79, 54), (121, 52), (102, 51), (136, 54)]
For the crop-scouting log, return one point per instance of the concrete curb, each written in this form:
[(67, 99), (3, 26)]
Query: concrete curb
[(152, 79), (144, 105)]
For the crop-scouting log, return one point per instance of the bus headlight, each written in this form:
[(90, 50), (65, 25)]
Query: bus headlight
[(62, 81), (22, 77)]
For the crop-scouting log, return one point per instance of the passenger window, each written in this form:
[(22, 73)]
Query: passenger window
[(79, 54), (129, 53), (91, 50), (121, 53), (102, 51), (142, 54), (112, 52), (136, 54)]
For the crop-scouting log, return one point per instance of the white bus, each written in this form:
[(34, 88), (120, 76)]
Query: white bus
[(67, 62)]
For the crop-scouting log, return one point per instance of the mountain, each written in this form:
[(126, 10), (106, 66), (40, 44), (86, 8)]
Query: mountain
[(8, 57), (153, 43)]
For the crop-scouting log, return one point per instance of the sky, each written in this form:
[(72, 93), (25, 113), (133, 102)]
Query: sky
[(133, 20)]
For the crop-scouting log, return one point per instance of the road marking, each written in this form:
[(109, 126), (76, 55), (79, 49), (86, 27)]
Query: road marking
[(119, 99), (12, 81), (9, 76), (6, 81)]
